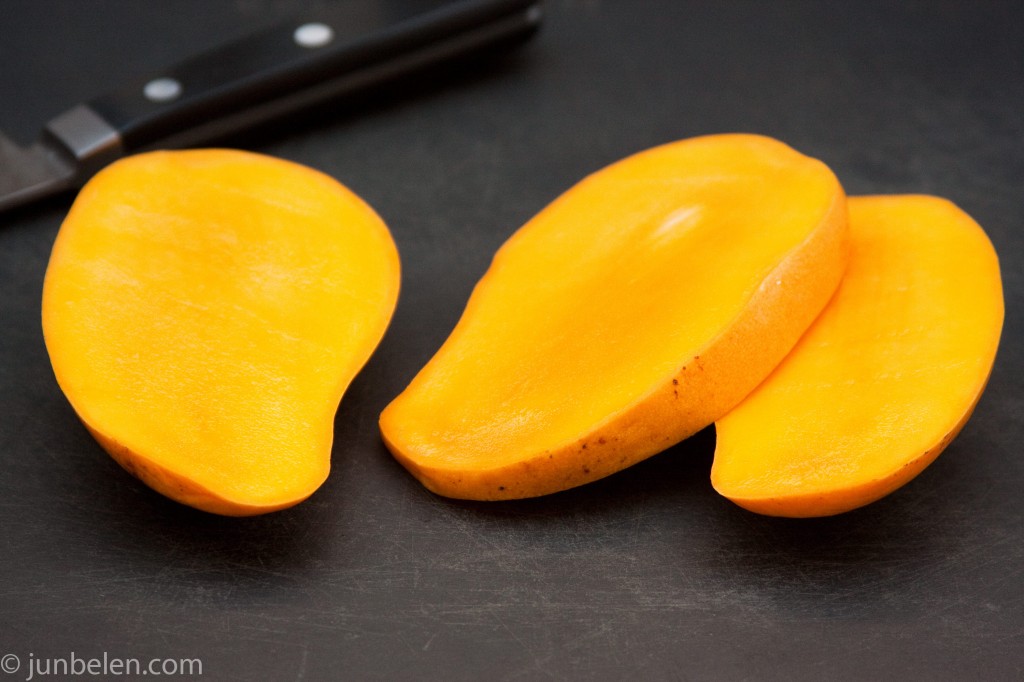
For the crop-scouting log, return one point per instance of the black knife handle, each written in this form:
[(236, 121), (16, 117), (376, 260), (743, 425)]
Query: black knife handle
[(287, 67)]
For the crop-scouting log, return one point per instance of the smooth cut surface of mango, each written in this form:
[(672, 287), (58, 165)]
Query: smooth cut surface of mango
[(636, 309), (884, 379), (204, 312)]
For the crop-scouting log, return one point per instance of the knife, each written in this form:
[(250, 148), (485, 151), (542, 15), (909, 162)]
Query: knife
[(256, 79)]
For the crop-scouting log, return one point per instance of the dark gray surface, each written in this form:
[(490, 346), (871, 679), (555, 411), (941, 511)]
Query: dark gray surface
[(647, 574)]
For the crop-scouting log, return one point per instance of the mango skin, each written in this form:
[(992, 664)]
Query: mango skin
[(664, 231), (204, 312)]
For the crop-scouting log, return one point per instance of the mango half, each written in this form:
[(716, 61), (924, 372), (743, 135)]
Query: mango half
[(636, 309), (204, 311), (884, 379)]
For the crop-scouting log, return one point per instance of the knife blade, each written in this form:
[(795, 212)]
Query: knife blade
[(262, 77)]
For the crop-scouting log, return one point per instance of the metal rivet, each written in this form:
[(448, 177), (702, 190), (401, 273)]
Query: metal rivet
[(313, 35), (162, 90)]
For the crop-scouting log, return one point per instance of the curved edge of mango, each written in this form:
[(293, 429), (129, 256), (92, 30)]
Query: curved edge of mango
[(181, 489), (840, 501)]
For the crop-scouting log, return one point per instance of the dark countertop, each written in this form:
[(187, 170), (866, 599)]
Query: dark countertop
[(647, 574)]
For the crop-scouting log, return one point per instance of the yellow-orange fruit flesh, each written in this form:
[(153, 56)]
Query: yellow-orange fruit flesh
[(204, 312), (630, 313), (884, 379)]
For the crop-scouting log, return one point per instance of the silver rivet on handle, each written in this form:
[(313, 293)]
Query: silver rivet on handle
[(313, 35), (162, 90)]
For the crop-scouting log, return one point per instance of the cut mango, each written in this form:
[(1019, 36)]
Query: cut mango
[(204, 312), (636, 309), (884, 380)]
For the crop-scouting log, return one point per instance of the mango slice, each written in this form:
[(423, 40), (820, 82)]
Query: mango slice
[(636, 309), (884, 379), (204, 312)]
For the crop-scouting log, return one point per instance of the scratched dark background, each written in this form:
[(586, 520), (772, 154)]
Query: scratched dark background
[(647, 574)]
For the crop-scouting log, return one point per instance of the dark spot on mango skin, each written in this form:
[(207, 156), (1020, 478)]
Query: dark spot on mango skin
[(601, 441), (128, 465), (586, 470), (501, 487), (675, 382)]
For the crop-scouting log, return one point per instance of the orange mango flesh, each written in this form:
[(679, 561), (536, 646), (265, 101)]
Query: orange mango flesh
[(636, 309), (204, 312), (887, 376)]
